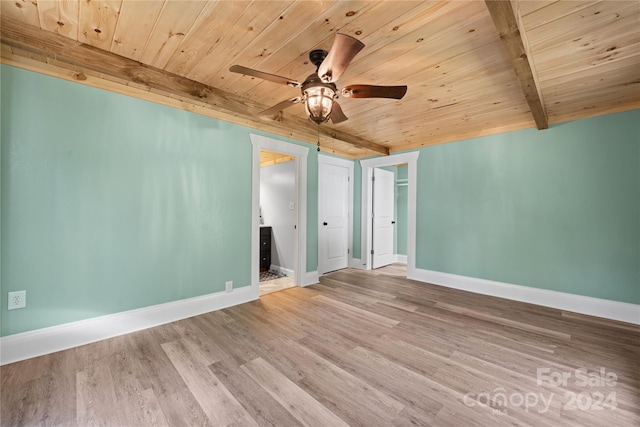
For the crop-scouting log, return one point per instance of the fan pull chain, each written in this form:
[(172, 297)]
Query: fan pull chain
[(318, 137)]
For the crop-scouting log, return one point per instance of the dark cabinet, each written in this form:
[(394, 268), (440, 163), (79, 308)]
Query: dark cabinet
[(265, 248)]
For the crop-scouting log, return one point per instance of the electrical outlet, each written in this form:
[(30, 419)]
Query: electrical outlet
[(228, 286), (17, 299)]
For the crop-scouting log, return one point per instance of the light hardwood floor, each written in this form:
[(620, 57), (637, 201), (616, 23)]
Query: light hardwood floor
[(275, 285), (361, 349)]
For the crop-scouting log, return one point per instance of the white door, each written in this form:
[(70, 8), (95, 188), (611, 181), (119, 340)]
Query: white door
[(383, 220), (333, 214)]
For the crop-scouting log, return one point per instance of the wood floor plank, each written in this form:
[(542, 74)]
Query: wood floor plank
[(604, 323), (222, 408), (299, 403), (345, 323), (239, 342), (450, 417), (125, 368), (359, 290), (421, 387), (45, 401), (443, 340), (366, 315), (496, 332), (198, 340), (378, 376), (165, 333), (331, 385), (353, 293), (140, 406), (181, 408), (96, 398), (423, 361), (260, 405), (155, 369), (39, 391), (446, 334), (399, 305), (503, 321), (411, 417), (267, 321), (101, 352)]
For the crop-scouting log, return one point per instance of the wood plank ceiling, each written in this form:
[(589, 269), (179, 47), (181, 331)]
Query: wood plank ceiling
[(270, 158), (472, 68)]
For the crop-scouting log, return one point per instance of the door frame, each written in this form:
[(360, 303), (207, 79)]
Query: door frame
[(301, 154), (411, 159), (335, 161)]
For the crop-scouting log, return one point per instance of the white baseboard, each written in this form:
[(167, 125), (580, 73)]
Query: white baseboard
[(310, 278), (615, 310), (286, 271), (400, 258), (61, 337)]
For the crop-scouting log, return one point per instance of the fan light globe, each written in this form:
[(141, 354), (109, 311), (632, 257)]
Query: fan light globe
[(318, 101)]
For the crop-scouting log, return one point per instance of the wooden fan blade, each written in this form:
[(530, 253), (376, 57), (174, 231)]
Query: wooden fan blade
[(279, 107), (262, 75), (369, 91), (344, 49), (337, 115)]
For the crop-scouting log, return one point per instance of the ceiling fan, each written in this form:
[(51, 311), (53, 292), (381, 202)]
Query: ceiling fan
[(319, 92)]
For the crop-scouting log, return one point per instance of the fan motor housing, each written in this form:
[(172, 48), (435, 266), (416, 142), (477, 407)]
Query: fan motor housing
[(317, 56), (314, 81)]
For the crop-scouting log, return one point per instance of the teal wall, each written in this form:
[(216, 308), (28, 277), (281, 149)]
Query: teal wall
[(110, 203), (555, 209)]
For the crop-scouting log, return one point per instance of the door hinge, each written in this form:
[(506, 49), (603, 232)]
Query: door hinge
[(348, 251), (373, 178), (371, 251)]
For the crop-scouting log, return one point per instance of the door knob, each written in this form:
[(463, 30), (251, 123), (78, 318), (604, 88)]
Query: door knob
[(393, 222), (324, 223)]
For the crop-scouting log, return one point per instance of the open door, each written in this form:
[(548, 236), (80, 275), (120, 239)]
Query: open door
[(383, 220), (278, 194), (369, 166), (259, 142)]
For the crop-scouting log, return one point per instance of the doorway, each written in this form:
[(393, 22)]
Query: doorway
[(389, 214), (277, 221), (368, 166), (299, 244)]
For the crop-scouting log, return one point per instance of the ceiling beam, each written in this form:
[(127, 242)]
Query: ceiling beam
[(139, 80), (513, 38)]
